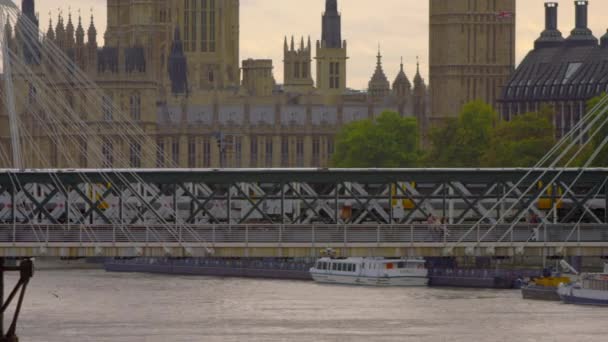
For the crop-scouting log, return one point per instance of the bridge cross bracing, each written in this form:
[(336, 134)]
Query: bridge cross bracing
[(300, 209)]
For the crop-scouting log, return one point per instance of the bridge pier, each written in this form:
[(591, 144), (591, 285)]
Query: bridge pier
[(26, 271)]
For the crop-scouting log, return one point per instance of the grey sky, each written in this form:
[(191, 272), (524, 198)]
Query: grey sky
[(399, 26)]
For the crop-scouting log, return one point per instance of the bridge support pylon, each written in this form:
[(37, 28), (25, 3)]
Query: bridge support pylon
[(26, 271)]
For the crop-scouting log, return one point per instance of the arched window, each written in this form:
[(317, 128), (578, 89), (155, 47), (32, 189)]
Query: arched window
[(107, 109), (107, 151), (135, 155), (32, 94), (135, 106)]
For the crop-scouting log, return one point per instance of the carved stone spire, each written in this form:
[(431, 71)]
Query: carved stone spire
[(331, 36), (80, 33), (69, 32), (50, 33), (92, 34)]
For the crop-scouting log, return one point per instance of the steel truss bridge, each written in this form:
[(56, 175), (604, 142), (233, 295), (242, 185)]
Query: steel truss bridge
[(297, 212)]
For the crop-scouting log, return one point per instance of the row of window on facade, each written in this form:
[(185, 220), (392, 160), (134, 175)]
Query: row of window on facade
[(107, 105), (199, 152), (303, 67), (107, 152), (134, 107), (199, 16)]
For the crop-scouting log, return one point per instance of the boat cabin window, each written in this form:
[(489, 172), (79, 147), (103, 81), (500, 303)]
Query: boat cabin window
[(401, 264), (334, 267)]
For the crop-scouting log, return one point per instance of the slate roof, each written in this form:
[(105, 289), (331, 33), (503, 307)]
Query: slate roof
[(561, 70)]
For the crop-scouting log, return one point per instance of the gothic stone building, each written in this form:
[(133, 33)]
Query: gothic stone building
[(174, 67), (472, 52)]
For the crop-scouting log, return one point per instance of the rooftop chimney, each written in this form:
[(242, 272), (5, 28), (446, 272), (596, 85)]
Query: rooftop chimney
[(581, 35), (581, 13), (551, 15), (551, 36)]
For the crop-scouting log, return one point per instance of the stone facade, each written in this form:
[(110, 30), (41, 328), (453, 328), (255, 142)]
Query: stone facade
[(472, 52), (173, 67)]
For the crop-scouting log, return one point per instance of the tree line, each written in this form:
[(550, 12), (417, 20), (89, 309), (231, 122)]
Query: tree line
[(475, 138)]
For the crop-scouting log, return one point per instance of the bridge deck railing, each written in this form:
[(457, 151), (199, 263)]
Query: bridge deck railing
[(298, 234)]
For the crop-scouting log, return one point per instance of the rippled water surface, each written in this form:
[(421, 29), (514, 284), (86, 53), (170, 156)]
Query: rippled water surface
[(91, 305)]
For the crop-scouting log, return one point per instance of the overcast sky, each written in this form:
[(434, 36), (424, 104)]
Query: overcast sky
[(399, 26)]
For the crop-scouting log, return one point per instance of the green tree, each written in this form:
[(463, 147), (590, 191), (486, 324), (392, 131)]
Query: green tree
[(521, 142), (462, 142), (598, 137), (390, 141)]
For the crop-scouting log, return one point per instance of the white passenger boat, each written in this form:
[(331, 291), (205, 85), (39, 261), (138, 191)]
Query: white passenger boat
[(591, 289), (371, 271)]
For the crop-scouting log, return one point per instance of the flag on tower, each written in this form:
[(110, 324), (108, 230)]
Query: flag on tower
[(505, 15)]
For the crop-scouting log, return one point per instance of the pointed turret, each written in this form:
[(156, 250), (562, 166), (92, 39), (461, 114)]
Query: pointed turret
[(297, 68), (401, 86), (80, 33), (92, 34), (331, 54), (28, 8), (69, 32), (91, 55), (60, 32), (285, 46), (8, 33), (26, 36), (331, 36), (418, 81), (379, 86), (50, 33), (178, 67), (8, 29), (419, 93)]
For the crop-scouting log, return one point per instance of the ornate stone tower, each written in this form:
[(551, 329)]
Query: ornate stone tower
[(297, 67), (420, 95), (378, 86), (210, 32), (331, 53), (31, 55), (141, 24), (472, 52), (257, 77), (402, 92)]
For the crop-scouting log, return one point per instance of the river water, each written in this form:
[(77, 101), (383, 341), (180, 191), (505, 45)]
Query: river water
[(92, 305)]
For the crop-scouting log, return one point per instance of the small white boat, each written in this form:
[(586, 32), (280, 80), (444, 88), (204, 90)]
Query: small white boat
[(591, 289), (371, 271)]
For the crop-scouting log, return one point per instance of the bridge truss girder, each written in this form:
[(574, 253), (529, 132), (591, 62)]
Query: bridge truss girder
[(338, 197)]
